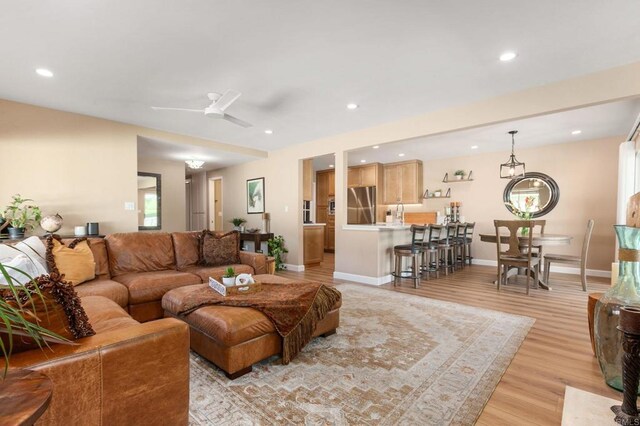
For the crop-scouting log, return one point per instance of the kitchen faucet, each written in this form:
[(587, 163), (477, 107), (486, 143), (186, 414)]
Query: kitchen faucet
[(400, 214)]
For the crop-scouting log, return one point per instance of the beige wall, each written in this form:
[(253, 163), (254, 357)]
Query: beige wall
[(81, 167), (283, 169), (586, 172), (173, 191)]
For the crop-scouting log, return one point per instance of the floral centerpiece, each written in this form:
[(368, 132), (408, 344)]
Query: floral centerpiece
[(526, 214)]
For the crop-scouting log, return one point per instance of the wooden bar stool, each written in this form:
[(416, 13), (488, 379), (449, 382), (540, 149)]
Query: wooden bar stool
[(430, 253), (461, 246), (414, 252), (446, 247), (468, 237)]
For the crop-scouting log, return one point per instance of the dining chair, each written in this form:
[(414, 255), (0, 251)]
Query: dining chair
[(566, 259), (413, 251), (520, 253)]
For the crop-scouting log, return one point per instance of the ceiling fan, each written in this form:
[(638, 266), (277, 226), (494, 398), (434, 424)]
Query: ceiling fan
[(219, 103)]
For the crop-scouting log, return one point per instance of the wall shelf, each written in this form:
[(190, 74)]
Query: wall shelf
[(430, 195), (445, 179)]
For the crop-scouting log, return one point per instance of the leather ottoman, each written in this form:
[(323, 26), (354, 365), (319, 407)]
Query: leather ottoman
[(235, 338)]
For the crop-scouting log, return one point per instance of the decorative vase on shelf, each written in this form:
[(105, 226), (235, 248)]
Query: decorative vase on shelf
[(626, 292)]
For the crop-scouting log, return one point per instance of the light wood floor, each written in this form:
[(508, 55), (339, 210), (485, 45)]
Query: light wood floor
[(555, 353)]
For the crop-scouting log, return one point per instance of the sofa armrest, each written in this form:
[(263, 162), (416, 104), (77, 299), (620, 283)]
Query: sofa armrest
[(256, 260), (135, 375)]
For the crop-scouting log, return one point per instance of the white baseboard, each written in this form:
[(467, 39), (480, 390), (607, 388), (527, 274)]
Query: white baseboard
[(560, 269), (294, 268), (363, 279)]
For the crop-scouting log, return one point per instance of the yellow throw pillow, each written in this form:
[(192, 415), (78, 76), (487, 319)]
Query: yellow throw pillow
[(75, 261)]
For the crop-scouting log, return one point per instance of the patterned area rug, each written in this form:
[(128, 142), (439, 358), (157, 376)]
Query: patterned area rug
[(396, 359)]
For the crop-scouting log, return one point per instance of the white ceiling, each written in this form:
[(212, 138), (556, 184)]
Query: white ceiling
[(600, 121), (214, 159), (298, 63)]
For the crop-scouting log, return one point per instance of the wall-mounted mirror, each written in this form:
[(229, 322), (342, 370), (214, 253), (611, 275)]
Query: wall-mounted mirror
[(149, 206), (535, 192)]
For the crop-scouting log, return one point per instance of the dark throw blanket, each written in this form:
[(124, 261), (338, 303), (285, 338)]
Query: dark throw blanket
[(294, 309)]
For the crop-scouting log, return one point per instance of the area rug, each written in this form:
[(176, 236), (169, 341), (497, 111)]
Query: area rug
[(396, 359)]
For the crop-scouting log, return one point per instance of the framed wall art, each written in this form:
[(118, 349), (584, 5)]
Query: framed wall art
[(255, 195)]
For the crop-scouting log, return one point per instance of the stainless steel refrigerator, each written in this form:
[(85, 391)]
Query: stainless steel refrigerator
[(361, 205)]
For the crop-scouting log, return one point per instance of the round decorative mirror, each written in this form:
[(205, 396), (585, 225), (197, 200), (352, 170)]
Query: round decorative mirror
[(535, 193)]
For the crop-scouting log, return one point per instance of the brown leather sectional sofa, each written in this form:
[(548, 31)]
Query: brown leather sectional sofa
[(134, 370)]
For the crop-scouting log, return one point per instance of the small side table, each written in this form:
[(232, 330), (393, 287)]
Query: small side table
[(24, 397)]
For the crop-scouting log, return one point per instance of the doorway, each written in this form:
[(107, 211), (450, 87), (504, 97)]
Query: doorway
[(215, 204)]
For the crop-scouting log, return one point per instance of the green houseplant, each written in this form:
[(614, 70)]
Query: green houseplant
[(277, 250), (229, 277), (237, 223), (459, 174), (21, 215)]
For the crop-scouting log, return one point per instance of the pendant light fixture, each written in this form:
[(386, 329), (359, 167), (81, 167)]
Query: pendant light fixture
[(195, 164), (512, 169)]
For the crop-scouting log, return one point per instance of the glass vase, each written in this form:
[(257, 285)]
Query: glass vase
[(626, 292)]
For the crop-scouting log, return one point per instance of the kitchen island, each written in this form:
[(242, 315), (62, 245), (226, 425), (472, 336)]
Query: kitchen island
[(370, 252)]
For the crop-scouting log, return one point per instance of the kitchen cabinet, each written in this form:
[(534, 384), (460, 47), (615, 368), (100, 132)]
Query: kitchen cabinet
[(364, 175), (403, 182), (322, 188), (330, 234), (313, 240), (307, 179), (331, 183)]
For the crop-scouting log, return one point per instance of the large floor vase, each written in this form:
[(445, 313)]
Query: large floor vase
[(626, 292)]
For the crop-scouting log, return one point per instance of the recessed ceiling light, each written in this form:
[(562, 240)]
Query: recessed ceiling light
[(376, 146), (474, 146), (44, 72), (401, 155), (331, 166), (269, 131), (508, 56), (576, 132), (363, 161), (352, 106)]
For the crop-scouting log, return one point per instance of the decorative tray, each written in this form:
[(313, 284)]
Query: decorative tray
[(235, 289)]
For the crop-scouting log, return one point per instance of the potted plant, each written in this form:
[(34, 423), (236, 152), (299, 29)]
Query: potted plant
[(277, 250), (459, 174), (437, 193), (229, 277), (21, 216), (237, 223)]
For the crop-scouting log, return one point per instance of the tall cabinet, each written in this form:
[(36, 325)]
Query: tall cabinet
[(325, 192)]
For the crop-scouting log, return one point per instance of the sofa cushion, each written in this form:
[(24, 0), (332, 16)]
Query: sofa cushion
[(151, 286), (139, 252), (216, 272), (33, 248), (107, 288), (219, 249), (230, 325), (99, 249), (105, 314), (74, 261), (186, 248)]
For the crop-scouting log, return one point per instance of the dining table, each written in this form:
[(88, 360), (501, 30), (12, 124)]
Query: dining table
[(537, 240)]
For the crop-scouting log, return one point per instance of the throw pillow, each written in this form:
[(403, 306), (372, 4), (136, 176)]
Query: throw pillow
[(21, 269), (57, 308), (219, 249), (32, 247), (74, 262)]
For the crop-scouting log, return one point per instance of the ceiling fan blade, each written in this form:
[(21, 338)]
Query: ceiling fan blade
[(237, 121), (176, 109), (227, 99)]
